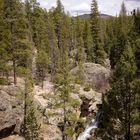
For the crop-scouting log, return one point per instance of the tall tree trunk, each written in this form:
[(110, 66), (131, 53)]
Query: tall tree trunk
[(25, 108), (13, 55), (42, 79), (129, 116), (14, 69), (53, 57), (64, 137), (128, 111)]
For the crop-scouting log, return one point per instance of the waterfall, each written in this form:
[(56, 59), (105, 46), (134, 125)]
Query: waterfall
[(90, 129)]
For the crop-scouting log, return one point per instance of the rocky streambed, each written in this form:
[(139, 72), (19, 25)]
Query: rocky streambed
[(11, 103)]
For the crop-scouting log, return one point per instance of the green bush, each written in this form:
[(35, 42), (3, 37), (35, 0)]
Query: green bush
[(78, 80), (21, 71), (3, 81), (44, 95), (87, 88)]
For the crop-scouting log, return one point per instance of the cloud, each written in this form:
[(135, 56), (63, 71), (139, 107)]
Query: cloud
[(111, 7), (133, 0), (81, 8), (47, 3)]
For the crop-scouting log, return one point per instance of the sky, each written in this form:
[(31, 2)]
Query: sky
[(110, 7)]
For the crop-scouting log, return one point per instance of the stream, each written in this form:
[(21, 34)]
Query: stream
[(91, 127)]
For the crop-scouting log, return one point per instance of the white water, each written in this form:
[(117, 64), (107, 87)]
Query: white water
[(90, 129)]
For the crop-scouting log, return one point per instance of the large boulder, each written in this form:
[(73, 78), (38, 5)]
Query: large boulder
[(96, 76), (51, 132), (46, 99), (14, 137), (11, 110), (89, 100)]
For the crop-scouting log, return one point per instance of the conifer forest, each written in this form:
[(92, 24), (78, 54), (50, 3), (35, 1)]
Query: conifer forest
[(65, 77)]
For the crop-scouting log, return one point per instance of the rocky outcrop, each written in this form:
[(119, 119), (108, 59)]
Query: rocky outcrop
[(13, 137), (90, 100), (11, 111), (11, 104), (51, 132), (96, 76), (45, 98)]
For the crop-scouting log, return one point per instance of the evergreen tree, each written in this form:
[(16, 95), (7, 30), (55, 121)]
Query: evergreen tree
[(135, 129), (72, 33), (135, 35), (123, 11), (136, 15), (41, 41), (64, 87), (80, 51), (4, 57), (42, 66), (120, 98), (98, 50), (58, 17), (53, 53), (19, 46), (38, 27), (113, 41), (31, 128), (123, 25), (104, 36), (87, 38)]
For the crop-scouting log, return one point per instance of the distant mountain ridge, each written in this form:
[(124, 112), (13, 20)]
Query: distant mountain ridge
[(87, 16)]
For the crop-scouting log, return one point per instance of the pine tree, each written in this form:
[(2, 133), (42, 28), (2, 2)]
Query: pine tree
[(42, 66), (135, 129), (113, 41), (39, 29), (123, 11), (72, 34), (124, 27), (31, 127), (80, 51), (104, 36), (136, 15), (19, 45), (88, 42), (40, 38), (4, 57), (135, 35), (58, 17), (53, 53), (38, 32), (121, 35), (9, 6), (97, 47), (64, 86), (120, 98)]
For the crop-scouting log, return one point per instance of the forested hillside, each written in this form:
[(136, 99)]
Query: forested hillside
[(38, 44)]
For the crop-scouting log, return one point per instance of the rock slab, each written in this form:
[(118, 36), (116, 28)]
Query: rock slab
[(11, 111)]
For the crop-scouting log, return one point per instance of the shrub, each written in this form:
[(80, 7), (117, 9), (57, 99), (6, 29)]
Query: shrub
[(87, 88), (3, 81)]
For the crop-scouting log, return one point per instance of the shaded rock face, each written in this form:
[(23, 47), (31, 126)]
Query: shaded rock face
[(84, 109), (90, 100), (11, 111), (96, 76)]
